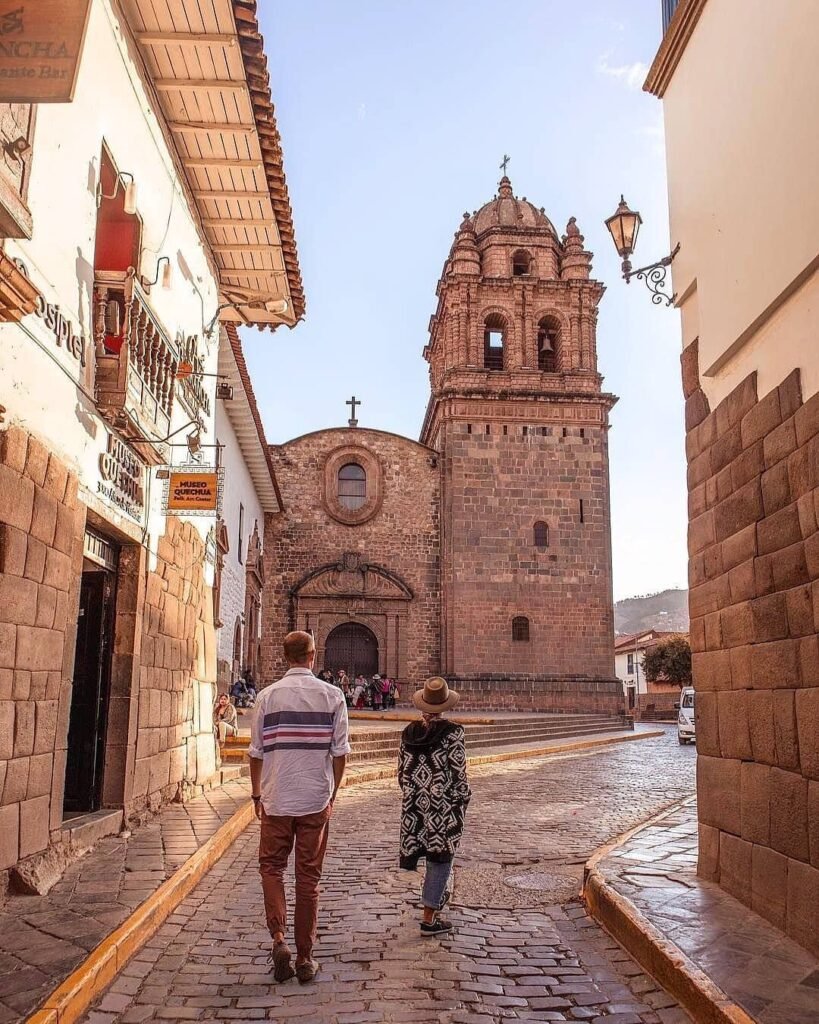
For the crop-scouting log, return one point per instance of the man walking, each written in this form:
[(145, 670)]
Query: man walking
[(299, 743)]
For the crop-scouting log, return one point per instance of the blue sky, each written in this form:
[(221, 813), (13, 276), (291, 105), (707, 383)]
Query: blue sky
[(394, 116)]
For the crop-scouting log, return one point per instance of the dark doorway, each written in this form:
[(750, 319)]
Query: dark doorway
[(89, 697), (352, 647)]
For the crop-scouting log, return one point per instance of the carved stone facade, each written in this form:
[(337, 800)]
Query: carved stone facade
[(501, 513)]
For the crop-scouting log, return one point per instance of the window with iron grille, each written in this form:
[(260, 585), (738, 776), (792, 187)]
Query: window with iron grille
[(520, 628), (352, 486)]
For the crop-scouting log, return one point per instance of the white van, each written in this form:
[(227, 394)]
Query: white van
[(686, 730)]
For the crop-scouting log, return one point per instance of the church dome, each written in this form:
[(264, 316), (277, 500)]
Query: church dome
[(508, 212)]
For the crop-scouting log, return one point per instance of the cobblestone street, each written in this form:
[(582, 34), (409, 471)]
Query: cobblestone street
[(524, 951)]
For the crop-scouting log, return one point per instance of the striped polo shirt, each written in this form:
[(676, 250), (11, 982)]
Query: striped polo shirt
[(299, 725)]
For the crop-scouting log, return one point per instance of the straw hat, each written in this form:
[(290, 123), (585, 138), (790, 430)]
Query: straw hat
[(435, 697)]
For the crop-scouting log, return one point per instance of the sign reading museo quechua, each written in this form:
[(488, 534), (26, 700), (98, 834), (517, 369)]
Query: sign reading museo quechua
[(40, 46), (194, 491)]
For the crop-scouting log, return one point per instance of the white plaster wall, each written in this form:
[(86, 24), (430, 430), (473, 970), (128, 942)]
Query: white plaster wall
[(743, 162), (44, 388), (239, 489), (634, 678)]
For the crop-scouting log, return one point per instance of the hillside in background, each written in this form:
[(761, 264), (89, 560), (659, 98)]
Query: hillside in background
[(666, 610)]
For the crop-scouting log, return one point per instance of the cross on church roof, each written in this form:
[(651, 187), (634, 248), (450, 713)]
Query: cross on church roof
[(504, 162), (353, 402)]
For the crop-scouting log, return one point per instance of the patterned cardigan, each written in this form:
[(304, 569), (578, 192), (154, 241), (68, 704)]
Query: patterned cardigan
[(432, 777)]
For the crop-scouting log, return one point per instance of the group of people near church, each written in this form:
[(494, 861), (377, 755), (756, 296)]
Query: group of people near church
[(377, 693), (298, 753)]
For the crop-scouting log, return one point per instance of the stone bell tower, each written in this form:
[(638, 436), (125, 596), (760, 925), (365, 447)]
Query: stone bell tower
[(520, 420)]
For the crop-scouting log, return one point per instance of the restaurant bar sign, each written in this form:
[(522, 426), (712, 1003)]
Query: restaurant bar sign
[(194, 491), (121, 478), (40, 46)]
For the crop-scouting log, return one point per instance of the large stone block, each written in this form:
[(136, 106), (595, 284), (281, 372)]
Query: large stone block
[(707, 717), (747, 466), (809, 660), (718, 793), (813, 822), (761, 726), (740, 547), (803, 905), (46, 725), (789, 814), (57, 570), (12, 550), (765, 417), (769, 884), (16, 499), (6, 729), (770, 618), (806, 420), (13, 447), (742, 666), (776, 489), (741, 580), (756, 802), (35, 559), (776, 665), (39, 649), (44, 519), (806, 509), (9, 835), (779, 530), (742, 509), (735, 866), (789, 567), (34, 826), (780, 443), (787, 743), (18, 600), (712, 670), (701, 532), (708, 860), (734, 737), (807, 724), (799, 607), (689, 364), (36, 461), (56, 477), (24, 726), (39, 776)]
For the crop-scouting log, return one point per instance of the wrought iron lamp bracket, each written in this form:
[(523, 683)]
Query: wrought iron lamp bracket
[(654, 275)]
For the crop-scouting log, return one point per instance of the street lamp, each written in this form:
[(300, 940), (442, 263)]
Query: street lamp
[(624, 226)]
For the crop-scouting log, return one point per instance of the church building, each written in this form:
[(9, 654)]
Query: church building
[(482, 551)]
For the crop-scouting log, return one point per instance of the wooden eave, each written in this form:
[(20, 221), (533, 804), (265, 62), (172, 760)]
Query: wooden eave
[(246, 421), (675, 40), (18, 296), (207, 66)]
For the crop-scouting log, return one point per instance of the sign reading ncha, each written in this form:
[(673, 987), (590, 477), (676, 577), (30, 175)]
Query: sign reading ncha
[(40, 47)]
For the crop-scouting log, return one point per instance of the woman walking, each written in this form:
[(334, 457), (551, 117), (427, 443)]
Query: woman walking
[(432, 776)]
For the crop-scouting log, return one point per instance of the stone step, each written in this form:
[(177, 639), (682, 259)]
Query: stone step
[(386, 746)]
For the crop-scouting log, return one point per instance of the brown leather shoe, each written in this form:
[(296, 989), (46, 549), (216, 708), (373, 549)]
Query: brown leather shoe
[(307, 971), (282, 968)]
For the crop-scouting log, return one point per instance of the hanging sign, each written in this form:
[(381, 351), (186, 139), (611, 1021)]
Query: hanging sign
[(195, 492), (40, 47)]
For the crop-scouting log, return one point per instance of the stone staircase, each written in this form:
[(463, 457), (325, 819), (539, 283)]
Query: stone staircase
[(381, 743)]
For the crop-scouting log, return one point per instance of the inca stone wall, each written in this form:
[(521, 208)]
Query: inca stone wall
[(41, 532), (753, 474)]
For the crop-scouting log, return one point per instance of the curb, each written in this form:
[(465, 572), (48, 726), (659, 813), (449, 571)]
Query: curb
[(69, 1001), (656, 954)]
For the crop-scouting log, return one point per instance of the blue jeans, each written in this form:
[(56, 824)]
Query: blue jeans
[(435, 879)]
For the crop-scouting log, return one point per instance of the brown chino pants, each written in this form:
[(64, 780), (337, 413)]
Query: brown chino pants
[(309, 833)]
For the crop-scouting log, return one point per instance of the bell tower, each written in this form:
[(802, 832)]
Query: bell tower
[(519, 417)]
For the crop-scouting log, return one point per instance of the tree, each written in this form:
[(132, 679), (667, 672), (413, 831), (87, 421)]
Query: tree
[(669, 661)]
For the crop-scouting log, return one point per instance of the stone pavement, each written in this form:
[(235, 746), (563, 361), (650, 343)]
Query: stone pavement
[(524, 948), (771, 977), (44, 938)]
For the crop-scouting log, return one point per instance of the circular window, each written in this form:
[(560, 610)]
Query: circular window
[(352, 486)]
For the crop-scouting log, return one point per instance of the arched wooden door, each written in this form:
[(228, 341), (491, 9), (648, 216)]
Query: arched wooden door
[(353, 647)]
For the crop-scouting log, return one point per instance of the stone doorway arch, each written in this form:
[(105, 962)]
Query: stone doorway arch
[(354, 647)]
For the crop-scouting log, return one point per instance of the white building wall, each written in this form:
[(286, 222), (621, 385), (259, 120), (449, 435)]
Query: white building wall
[(239, 490), (45, 388), (636, 677)]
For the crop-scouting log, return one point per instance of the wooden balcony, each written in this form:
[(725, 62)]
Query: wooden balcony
[(136, 362)]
